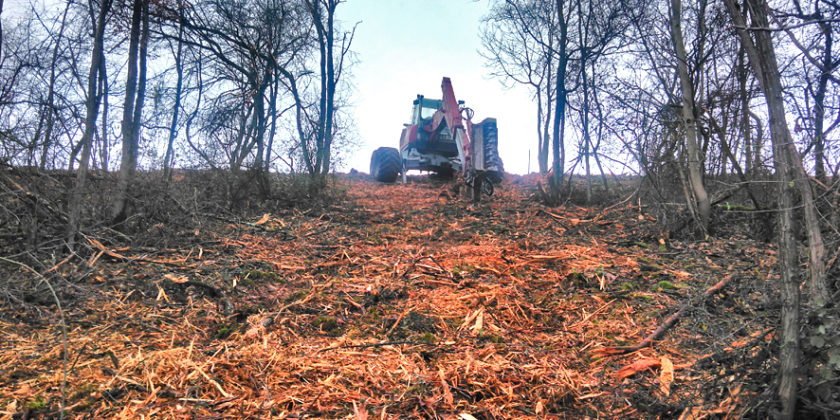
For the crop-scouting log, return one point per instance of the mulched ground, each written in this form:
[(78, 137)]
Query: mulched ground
[(400, 302)]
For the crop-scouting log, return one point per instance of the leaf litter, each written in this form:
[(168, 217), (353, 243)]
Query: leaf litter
[(402, 302)]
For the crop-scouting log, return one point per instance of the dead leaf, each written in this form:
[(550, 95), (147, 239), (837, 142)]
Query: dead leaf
[(359, 413), (447, 394), (176, 278), (479, 322), (636, 367), (263, 219), (666, 375)]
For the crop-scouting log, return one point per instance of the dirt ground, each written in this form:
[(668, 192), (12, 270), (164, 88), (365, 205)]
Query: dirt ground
[(401, 302)]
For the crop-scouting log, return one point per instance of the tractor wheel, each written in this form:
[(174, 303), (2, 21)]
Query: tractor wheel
[(385, 164)]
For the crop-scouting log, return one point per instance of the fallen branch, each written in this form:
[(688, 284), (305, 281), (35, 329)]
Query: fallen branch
[(380, 344), (114, 254), (659, 332)]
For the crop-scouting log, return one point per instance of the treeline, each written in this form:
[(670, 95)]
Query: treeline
[(105, 84), (690, 94)]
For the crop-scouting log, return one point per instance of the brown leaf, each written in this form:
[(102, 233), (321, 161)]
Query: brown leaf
[(636, 367), (666, 375), (176, 279), (263, 219)]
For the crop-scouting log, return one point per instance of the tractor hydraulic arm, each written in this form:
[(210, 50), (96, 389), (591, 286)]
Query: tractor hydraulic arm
[(451, 113)]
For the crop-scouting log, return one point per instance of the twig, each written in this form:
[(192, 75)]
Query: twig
[(117, 255), (380, 344), (659, 332), (397, 322), (63, 331)]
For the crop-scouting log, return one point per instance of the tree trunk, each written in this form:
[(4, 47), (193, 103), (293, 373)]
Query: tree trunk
[(819, 105), (695, 171), (542, 161), (299, 117), (558, 147), (133, 107), (173, 126), (104, 145), (329, 108), (92, 108), (544, 151), (1, 31), (274, 87), (584, 111), (50, 117), (746, 131), (763, 59)]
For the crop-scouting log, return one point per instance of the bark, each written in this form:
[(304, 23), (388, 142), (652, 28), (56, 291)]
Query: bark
[(173, 126), (299, 120), (104, 92), (274, 87), (763, 60), (584, 112), (542, 161), (331, 65), (746, 131), (1, 31), (695, 170), (92, 109), (133, 107), (558, 147), (819, 105)]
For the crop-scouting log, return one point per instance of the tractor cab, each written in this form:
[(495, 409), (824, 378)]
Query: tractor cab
[(423, 110), (422, 135)]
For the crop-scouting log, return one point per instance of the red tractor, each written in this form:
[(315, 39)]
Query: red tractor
[(442, 138)]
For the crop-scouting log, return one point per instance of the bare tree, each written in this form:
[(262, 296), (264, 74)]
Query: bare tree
[(695, 169), (245, 60), (49, 107), (135, 95), (169, 155), (331, 67), (92, 106), (792, 177), (518, 42)]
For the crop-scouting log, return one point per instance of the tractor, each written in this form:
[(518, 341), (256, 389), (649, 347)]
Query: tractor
[(441, 138)]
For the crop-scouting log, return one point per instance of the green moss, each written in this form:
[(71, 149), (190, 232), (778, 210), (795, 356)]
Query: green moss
[(667, 285), (643, 297), (223, 332), (84, 391), (39, 403), (627, 286), (327, 324), (300, 294), (249, 277)]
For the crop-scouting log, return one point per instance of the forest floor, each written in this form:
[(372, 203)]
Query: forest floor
[(402, 302)]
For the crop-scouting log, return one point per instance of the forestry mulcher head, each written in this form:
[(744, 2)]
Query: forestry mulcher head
[(442, 138)]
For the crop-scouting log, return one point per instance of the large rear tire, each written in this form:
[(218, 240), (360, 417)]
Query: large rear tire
[(386, 164)]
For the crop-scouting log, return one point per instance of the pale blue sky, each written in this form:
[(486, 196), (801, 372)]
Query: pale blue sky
[(404, 48)]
